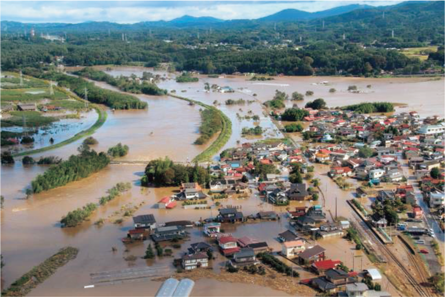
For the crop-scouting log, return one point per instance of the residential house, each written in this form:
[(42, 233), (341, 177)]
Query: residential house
[(228, 245), (278, 197), (268, 215), (361, 290), (299, 211), (259, 247), (386, 195), (417, 212), (27, 107), (199, 247), (287, 235), (137, 234), (333, 280), (168, 233), (191, 191), (297, 192), (437, 199), (212, 229), (167, 203), (291, 249), (376, 173), (193, 261), (311, 255), (321, 266), (245, 257), (394, 175), (340, 171), (145, 222), (230, 215)]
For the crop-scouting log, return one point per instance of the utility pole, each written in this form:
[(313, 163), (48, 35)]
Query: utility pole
[(336, 207), (51, 91), (323, 24), (344, 36), (86, 94), (21, 78), (275, 26), (383, 15), (301, 39), (392, 33)]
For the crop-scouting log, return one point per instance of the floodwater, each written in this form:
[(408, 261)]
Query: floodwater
[(30, 229), (58, 131)]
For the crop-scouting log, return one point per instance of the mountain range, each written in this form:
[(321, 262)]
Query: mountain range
[(348, 13)]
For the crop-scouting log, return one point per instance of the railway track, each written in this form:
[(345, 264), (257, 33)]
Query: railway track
[(423, 292)]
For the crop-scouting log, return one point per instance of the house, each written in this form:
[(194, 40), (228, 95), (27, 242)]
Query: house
[(394, 175), (287, 235), (278, 197), (386, 195), (267, 215), (230, 215), (299, 211), (137, 234), (192, 191), (437, 199), (378, 221), (193, 261), (376, 173), (311, 255), (212, 229), (145, 222), (291, 249), (168, 233), (361, 290), (340, 171), (259, 247), (245, 257), (321, 266), (321, 158), (417, 212), (228, 245), (374, 274), (297, 192), (199, 247), (167, 203), (222, 185), (330, 230), (182, 223), (27, 107)]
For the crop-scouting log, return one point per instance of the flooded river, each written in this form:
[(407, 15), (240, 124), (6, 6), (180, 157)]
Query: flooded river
[(30, 229)]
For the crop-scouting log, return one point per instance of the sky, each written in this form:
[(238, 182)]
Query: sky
[(137, 11)]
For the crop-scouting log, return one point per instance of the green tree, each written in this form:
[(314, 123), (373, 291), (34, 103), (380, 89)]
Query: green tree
[(316, 104), (149, 254), (365, 152), (435, 173)]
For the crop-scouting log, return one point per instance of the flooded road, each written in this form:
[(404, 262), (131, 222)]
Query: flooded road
[(30, 228)]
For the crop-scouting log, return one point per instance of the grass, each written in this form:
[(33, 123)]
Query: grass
[(222, 138), (68, 104), (419, 52), (23, 95), (30, 118), (41, 272)]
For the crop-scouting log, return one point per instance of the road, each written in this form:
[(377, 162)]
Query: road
[(428, 218)]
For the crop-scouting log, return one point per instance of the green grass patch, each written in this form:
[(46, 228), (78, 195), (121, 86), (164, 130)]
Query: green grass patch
[(30, 118), (40, 273), (67, 104)]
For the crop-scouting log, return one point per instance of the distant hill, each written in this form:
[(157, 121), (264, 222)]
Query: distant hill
[(187, 19), (299, 15)]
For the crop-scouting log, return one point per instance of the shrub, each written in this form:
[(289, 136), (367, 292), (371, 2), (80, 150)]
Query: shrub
[(27, 160)]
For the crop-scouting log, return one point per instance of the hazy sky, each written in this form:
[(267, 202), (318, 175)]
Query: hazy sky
[(137, 11)]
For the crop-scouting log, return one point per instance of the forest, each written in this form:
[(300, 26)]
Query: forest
[(126, 84), (95, 94), (164, 172), (370, 107), (211, 123), (75, 168), (358, 43)]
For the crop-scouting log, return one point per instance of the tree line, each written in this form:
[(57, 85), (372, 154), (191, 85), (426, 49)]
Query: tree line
[(75, 168), (123, 83), (370, 107), (211, 123), (164, 172), (94, 94)]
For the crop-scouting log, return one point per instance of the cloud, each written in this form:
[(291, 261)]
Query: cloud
[(137, 11)]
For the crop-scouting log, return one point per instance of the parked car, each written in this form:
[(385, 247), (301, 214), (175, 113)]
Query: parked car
[(423, 251), (421, 241)]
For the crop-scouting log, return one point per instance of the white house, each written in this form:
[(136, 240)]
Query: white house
[(437, 199), (291, 249), (376, 173), (194, 261)]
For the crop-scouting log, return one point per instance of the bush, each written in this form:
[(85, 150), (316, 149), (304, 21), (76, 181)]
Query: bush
[(90, 141), (293, 128), (316, 104), (7, 158), (27, 160), (332, 90), (309, 93), (297, 96), (294, 114), (75, 217), (232, 269), (118, 151)]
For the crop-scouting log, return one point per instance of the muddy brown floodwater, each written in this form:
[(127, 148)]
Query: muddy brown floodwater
[(30, 229)]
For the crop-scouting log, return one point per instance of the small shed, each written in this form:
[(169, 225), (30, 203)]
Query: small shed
[(374, 274)]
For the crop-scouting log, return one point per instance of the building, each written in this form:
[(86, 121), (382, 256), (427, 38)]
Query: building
[(374, 274), (278, 197), (168, 233), (228, 245), (212, 229), (194, 261), (321, 266), (145, 222), (437, 199), (431, 129), (361, 290), (167, 203), (311, 255), (199, 247), (27, 107), (137, 234), (291, 249), (297, 192), (245, 257), (230, 215), (191, 191), (287, 235), (267, 215)]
